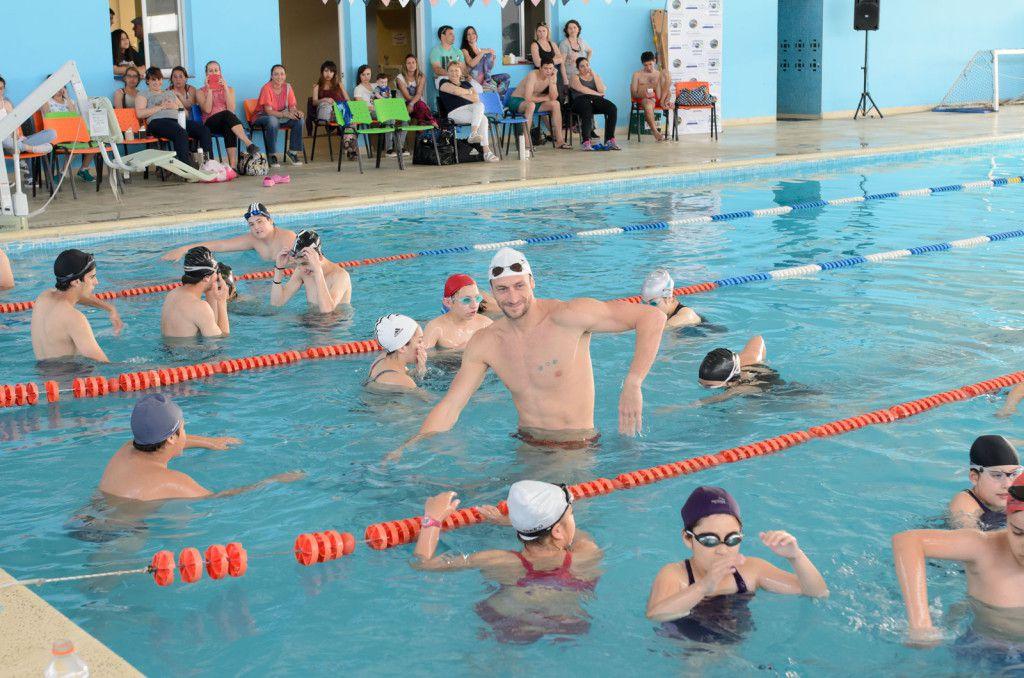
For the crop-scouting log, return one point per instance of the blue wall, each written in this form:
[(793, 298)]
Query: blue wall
[(67, 29), (917, 52)]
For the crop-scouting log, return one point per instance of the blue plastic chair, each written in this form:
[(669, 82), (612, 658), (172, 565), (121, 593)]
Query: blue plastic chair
[(196, 115), (537, 114)]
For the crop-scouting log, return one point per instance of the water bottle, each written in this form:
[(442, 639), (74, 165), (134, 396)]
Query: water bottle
[(66, 662), (523, 153)]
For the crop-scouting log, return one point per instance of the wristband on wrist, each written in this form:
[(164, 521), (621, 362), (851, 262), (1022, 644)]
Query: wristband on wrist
[(427, 521)]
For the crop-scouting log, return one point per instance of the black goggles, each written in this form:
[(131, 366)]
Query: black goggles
[(498, 270), (711, 540), (568, 503), (89, 265)]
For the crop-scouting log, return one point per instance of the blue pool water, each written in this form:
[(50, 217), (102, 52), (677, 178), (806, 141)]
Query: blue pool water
[(863, 338)]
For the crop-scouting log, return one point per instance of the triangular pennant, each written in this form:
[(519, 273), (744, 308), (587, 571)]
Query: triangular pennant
[(469, 3), (565, 2), (535, 2), (502, 3), (385, 2), (403, 3), (517, 2)]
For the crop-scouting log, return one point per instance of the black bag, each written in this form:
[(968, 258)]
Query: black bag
[(470, 152), (696, 96), (423, 148)]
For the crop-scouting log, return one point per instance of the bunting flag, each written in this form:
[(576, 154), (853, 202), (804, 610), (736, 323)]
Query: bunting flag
[(535, 2), (403, 3), (469, 3), (385, 2), (502, 3)]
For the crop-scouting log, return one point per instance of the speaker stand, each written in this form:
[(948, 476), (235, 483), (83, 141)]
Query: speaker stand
[(865, 97)]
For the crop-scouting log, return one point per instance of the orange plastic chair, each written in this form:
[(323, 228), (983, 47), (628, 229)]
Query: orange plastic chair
[(636, 108), (72, 139), (127, 120), (249, 106), (681, 86)]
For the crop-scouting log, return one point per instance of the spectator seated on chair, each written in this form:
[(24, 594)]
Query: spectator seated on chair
[(327, 91), (381, 88), (165, 118), (125, 97), (185, 92), (276, 108), (464, 107), (538, 91), (38, 142), (653, 89), (588, 98), (365, 91), (216, 101), (480, 62), (444, 53), (412, 85), (60, 102)]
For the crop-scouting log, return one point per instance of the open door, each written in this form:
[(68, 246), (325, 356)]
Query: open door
[(390, 35), (309, 36)]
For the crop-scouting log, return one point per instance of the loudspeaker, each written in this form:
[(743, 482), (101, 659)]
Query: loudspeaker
[(865, 15)]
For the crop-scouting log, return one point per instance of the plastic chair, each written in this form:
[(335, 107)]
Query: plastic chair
[(395, 110), (72, 139), (195, 114), (636, 108), (251, 114), (576, 121), (39, 162), (495, 113), (537, 115), (694, 84), (360, 124), (329, 126)]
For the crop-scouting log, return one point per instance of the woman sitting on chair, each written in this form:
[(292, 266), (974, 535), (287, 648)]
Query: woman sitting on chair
[(164, 117), (464, 107), (125, 97), (185, 92), (587, 99), (327, 91), (412, 85), (276, 108), (216, 101)]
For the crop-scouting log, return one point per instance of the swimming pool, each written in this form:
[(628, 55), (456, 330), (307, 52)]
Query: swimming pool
[(864, 337)]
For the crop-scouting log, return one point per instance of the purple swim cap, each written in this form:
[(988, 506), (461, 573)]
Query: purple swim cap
[(706, 501)]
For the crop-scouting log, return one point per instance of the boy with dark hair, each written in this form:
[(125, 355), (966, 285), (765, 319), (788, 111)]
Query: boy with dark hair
[(185, 313), (653, 89)]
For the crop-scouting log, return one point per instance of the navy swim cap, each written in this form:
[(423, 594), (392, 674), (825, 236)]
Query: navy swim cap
[(993, 450), (706, 501), (155, 419)]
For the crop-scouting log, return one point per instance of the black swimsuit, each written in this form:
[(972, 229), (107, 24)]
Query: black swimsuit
[(989, 519), (370, 380), (722, 619)]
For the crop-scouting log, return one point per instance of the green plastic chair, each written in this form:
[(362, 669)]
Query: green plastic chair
[(360, 124), (396, 111)]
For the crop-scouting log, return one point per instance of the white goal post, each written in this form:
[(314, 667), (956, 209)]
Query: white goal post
[(991, 77)]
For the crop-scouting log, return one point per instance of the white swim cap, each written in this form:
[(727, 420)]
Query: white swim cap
[(508, 261), (395, 331), (657, 285), (535, 506)]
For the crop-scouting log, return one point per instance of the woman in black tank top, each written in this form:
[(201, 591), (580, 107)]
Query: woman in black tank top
[(543, 50)]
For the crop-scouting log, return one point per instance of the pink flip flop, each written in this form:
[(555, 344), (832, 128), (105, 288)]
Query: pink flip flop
[(282, 178), (268, 181)]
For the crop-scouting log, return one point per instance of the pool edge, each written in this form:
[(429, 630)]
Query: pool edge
[(322, 204), (31, 625)]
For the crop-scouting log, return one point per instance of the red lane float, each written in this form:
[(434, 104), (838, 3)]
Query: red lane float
[(320, 547)]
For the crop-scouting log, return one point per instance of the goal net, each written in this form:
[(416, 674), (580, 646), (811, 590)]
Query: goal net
[(992, 78)]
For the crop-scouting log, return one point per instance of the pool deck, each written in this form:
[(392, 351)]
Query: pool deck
[(317, 186), (30, 625)]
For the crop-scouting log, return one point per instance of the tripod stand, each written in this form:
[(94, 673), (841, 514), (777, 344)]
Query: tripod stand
[(865, 96)]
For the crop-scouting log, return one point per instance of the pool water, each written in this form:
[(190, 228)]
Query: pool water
[(859, 338)]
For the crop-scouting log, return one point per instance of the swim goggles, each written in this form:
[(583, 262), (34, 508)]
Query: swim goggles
[(568, 502), (999, 475), (737, 367), (89, 265), (517, 267), (466, 301), (711, 540)]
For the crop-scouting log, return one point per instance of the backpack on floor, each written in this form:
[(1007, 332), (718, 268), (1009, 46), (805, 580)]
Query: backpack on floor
[(423, 148), (254, 165)]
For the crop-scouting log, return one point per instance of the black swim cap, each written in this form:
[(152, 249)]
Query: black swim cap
[(993, 450), (72, 265), (228, 277), (718, 365), (306, 239), (199, 262)]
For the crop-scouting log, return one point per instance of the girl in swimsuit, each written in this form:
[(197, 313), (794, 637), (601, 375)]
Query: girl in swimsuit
[(688, 597), (541, 583), (402, 340), (994, 465)]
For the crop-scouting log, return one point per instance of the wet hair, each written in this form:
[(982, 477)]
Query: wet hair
[(335, 82), (152, 447), (359, 72), (579, 29), (442, 29), (647, 56), (115, 44), (465, 42), (717, 365), (154, 73)]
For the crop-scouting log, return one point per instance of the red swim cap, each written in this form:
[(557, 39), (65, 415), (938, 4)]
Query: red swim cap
[(456, 282), (1015, 502)]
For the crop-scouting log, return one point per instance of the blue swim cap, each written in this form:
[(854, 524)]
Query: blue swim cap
[(155, 419)]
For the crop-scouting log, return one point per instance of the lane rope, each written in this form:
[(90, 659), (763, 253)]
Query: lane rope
[(21, 306), (30, 393)]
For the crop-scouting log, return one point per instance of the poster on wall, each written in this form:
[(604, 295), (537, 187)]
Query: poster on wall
[(694, 41)]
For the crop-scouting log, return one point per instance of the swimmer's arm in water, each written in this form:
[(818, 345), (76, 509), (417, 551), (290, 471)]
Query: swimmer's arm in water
[(115, 317), (467, 380), (591, 315), (431, 334), (239, 243), (6, 274), (910, 550), (210, 442), (754, 353), (1013, 398), (84, 340), (672, 597), (685, 318), (803, 580), (964, 512), (289, 477), (439, 507)]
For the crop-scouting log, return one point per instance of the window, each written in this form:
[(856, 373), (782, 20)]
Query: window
[(164, 34), (517, 26)]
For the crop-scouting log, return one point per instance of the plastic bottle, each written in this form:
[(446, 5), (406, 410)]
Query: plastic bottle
[(523, 151), (66, 662)]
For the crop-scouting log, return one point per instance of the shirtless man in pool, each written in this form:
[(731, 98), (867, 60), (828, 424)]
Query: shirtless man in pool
[(263, 237), (540, 350)]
